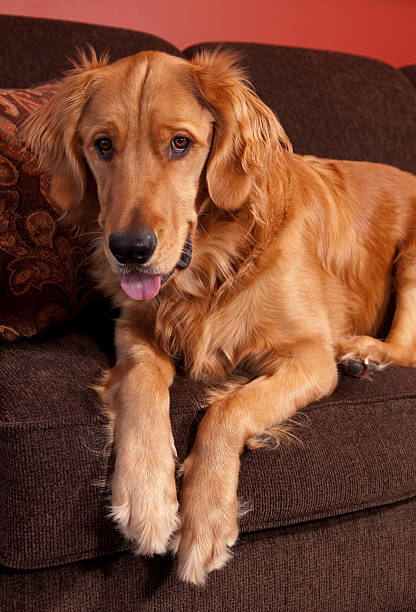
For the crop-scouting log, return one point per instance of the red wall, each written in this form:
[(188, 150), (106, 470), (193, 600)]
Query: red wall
[(383, 29)]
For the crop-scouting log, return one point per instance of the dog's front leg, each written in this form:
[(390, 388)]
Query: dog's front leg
[(208, 500), (136, 392)]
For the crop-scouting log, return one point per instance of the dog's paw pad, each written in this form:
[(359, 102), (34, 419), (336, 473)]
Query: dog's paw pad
[(359, 369)]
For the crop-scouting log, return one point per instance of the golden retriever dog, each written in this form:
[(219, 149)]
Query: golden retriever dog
[(259, 269)]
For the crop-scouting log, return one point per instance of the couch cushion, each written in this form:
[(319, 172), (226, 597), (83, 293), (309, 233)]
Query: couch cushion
[(334, 104), (354, 450), (43, 264)]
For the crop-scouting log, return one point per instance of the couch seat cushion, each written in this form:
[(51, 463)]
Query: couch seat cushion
[(354, 450)]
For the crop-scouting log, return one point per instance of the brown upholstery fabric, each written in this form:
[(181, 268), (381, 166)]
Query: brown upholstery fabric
[(44, 276), (353, 450), (37, 50), (334, 104), (364, 562), (410, 73)]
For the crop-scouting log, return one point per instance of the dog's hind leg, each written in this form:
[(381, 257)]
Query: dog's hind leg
[(361, 355)]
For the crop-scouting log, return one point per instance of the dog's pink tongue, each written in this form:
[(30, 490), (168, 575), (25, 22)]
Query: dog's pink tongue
[(140, 286)]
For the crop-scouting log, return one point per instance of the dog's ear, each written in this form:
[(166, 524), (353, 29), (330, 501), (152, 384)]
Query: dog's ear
[(51, 133), (247, 135)]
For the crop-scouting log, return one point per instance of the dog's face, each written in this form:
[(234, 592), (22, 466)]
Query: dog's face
[(145, 137), (138, 143)]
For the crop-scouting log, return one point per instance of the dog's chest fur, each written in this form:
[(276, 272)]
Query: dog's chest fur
[(212, 315), (202, 336), (214, 336)]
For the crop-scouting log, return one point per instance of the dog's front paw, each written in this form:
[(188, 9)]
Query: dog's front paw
[(144, 505), (209, 523)]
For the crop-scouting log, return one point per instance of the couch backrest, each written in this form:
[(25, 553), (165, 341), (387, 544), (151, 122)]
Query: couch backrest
[(36, 50), (331, 104), (334, 104)]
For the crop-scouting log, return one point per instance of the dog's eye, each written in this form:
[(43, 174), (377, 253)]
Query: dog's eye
[(104, 147), (180, 145)]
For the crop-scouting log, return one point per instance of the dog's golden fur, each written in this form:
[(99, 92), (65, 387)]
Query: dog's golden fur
[(291, 274)]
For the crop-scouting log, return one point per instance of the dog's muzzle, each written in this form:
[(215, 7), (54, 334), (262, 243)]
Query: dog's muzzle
[(143, 286)]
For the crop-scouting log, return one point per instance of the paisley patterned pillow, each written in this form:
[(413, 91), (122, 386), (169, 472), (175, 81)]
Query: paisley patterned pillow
[(43, 264)]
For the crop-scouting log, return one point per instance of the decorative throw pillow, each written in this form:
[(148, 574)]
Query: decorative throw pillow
[(43, 263)]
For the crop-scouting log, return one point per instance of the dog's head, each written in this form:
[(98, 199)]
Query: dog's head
[(140, 143)]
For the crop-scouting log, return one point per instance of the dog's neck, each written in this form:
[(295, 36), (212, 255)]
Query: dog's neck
[(226, 251), (230, 251)]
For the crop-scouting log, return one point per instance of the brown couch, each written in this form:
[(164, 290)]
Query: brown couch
[(331, 524)]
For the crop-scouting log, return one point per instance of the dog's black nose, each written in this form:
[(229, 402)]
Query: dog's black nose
[(132, 248)]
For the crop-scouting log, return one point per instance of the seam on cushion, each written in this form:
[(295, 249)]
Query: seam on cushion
[(357, 402), (323, 517), (46, 425), (336, 511), (101, 419), (56, 561)]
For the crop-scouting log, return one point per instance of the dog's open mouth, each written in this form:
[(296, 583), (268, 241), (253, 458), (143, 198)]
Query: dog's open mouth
[(142, 286)]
